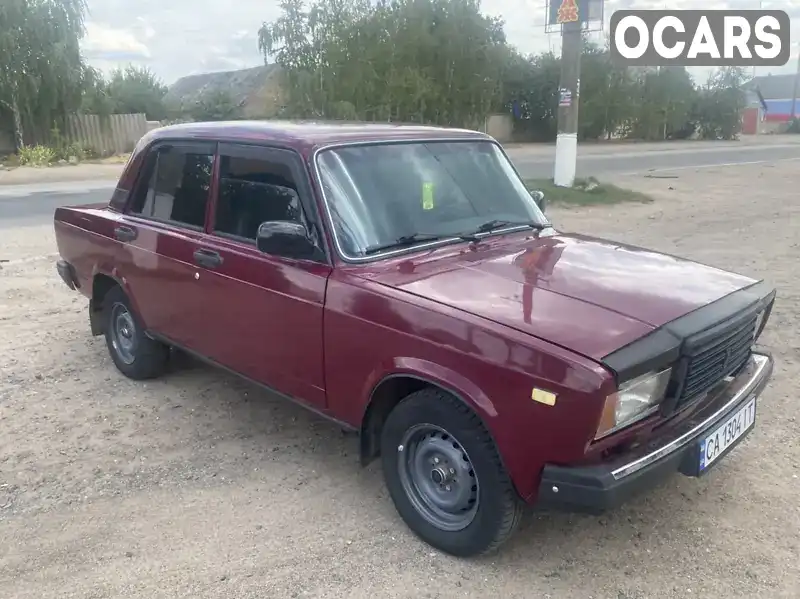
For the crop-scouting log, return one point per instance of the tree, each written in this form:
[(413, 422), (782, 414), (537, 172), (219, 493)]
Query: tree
[(41, 68), (137, 90), (434, 61), (718, 108), (95, 98), (606, 95), (662, 107), (214, 105), (444, 62), (530, 90)]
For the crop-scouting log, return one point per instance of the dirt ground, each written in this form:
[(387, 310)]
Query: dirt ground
[(198, 485)]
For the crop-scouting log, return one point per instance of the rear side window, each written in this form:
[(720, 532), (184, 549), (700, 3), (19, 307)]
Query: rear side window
[(176, 185), (255, 187)]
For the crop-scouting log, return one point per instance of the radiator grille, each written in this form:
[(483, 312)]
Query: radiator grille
[(718, 358)]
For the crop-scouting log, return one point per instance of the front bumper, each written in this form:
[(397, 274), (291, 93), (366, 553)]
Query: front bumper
[(595, 489)]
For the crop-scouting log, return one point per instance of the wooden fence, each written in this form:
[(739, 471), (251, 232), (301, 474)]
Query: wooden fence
[(115, 134)]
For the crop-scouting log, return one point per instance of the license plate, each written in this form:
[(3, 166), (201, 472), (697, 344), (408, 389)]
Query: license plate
[(715, 444)]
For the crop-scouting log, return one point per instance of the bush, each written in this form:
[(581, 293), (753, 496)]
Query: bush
[(89, 153), (794, 126), (36, 156), (69, 151)]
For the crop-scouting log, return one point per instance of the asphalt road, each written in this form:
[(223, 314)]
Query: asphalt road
[(22, 205), (34, 204)]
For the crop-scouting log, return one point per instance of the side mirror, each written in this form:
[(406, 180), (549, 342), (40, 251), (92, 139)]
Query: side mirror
[(285, 238), (538, 197)]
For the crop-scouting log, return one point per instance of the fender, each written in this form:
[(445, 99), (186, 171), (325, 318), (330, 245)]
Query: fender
[(435, 374), (428, 373), (95, 312)]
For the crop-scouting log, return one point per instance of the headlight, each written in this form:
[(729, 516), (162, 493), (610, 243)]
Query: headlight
[(635, 400)]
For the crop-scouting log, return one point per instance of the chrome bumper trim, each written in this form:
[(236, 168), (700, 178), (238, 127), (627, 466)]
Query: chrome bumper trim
[(757, 366)]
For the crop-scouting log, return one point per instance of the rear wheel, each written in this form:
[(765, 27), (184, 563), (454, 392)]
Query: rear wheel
[(445, 476), (135, 355)]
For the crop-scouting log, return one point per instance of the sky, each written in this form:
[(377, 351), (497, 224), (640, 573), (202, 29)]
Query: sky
[(183, 37)]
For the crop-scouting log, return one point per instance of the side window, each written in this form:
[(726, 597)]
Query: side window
[(254, 189), (177, 186)]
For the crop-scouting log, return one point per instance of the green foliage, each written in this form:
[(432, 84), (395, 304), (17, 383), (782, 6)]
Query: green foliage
[(606, 96), (663, 104), (36, 156), (94, 94), (794, 126), (132, 90), (135, 90), (214, 105), (444, 62), (59, 149), (652, 104), (434, 61), (41, 68), (531, 90), (69, 151), (719, 104)]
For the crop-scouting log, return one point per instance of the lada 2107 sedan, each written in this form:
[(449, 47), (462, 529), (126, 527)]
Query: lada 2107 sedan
[(402, 281)]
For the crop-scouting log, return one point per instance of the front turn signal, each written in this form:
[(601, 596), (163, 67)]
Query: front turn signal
[(608, 419)]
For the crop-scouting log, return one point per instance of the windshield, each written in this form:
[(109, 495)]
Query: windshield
[(379, 193)]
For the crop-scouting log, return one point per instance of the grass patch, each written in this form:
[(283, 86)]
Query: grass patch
[(36, 156), (586, 192)]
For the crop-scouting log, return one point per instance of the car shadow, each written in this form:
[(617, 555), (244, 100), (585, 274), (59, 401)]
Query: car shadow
[(272, 428)]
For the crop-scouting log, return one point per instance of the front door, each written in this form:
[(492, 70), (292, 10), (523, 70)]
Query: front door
[(263, 314)]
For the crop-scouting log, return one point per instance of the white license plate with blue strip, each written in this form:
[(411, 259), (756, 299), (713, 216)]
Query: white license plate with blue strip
[(726, 434)]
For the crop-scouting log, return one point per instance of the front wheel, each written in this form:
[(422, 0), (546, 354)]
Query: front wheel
[(445, 476)]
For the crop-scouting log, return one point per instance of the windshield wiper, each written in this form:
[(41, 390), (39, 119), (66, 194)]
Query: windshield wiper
[(498, 224), (406, 240), (486, 227)]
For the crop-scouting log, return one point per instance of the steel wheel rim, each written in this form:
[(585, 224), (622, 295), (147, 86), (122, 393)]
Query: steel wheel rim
[(123, 333), (438, 477)]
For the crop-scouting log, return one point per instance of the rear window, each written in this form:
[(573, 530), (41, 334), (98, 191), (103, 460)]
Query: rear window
[(177, 189)]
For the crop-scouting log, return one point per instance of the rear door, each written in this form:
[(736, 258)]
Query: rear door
[(264, 311), (162, 229)]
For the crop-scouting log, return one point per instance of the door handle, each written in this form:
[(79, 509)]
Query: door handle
[(207, 258), (123, 233)]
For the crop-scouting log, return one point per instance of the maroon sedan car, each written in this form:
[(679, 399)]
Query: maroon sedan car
[(403, 282)]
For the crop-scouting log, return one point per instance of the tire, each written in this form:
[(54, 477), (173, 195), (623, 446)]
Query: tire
[(431, 424), (135, 355)]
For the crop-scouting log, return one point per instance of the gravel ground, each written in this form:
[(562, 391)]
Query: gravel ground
[(198, 485)]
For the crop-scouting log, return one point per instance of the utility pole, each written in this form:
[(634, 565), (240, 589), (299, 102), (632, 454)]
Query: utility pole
[(569, 88), (796, 87)]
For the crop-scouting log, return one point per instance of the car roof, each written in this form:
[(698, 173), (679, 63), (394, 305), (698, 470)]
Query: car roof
[(309, 134)]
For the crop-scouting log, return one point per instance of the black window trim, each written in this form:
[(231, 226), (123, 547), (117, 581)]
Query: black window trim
[(298, 167), (146, 171)]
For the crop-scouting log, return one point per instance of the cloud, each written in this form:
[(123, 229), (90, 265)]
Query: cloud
[(185, 36), (102, 42)]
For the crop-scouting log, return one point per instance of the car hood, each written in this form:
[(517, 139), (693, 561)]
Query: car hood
[(587, 294)]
